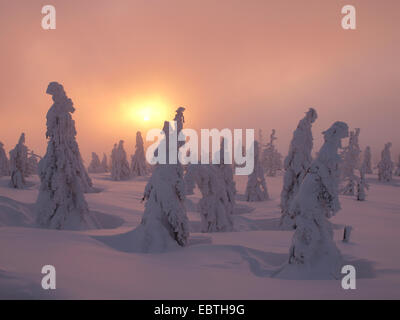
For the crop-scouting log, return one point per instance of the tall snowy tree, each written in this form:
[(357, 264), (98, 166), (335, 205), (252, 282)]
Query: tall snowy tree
[(216, 209), (316, 201), (271, 158), (95, 164), (351, 162), (61, 202), (190, 178), (120, 166), (397, 172), (296, 165), (104, 163), (386, 165), (164, 219), (4, 163), (19, 164), (256, 189), (139, 165), (367, 162)]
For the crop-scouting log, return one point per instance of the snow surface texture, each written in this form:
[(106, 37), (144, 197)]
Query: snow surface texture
[(19, 164), (256, 189), (4, 163), (386, 165), (139, 165), (351, 163), (296, 165), (317, 201), (119, 164), (61, 202)]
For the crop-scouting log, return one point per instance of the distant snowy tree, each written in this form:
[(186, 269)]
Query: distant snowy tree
[(362, 185), (104, 163), (61, 202), (4, 163), (32, 163), (190, 178), (95, 165), (216, 209), (271, 158), (367, 162), (19, 164), (296, 165), (139, 165), (351, 162), (316, 201), (397, 172), (386, 165), (164, 219), (120, 166), (256, 189)]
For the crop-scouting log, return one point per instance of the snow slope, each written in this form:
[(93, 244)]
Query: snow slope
[(233, 265)]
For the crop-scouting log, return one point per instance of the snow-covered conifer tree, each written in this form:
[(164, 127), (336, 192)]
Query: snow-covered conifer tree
[(120, 166), (271, 158), (256, 189), (351, 162), (386, 165), (190, 178), (164, 219), (362, 185), (216, 209), (367, 162), (95, 164), (104, 163), (296, 164), (139, 165), (19, 164), (226, 177), (4, 163), (32, 163), (397, 172), (316, 201), (61, 202)]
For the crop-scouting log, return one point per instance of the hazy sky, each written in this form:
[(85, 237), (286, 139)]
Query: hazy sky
[(235, 64)]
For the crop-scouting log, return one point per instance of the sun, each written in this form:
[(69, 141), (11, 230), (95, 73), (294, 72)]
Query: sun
[(146, 111)]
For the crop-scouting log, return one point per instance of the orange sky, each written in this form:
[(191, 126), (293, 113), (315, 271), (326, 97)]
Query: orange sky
[(231, 63)]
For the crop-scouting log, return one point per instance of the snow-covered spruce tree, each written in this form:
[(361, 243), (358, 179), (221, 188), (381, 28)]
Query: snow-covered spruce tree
[(120, 166), (367, 162), (296, 164), (33, 165), (190, 178), (271, 158), (397, 172), (95, 164), (164, 220), (361, 186), (19, 164), (138, 163), (351, 162), (4, 163), (256, 189), (316, 201), (226, 176), (104, 163), (61, 202), (386, 165), (216, 209)]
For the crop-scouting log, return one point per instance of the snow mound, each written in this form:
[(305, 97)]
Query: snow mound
[(14, 213)]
